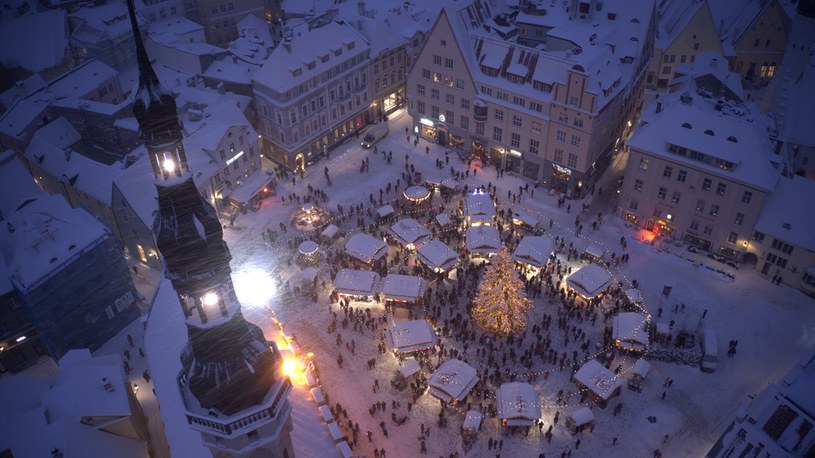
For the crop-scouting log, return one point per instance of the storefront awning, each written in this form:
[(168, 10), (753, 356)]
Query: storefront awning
[(252, 187)]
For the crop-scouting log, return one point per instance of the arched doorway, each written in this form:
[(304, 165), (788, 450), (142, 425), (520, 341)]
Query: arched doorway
[(749, 259), (299, 162)]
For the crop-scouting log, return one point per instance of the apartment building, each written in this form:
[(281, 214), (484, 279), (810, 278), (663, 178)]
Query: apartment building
[(700, 168), (553, 116), (312, 93), (220, 17)]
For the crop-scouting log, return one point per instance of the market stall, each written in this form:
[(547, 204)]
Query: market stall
[(589, 281), (357, 284), (437, 256), (600, 383), (533, 252), (630, 331), (416, 194), (365, 248), (479, 209), (403, 288), (452, 381), (483, 241), (410, 234), (518, 404), (411, 336)]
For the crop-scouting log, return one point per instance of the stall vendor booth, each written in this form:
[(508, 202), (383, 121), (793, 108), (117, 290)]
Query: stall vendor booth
[(356, 284), (483, 242), (411, 336), (600, 384), (437, 256), (407, 289), (579, 420), (593, 253), (452, 381), (479, 209), (533, 252), (518, 404), (630, 332), (384, 213), (365, 248), (416, 194), (410, 234), (589, 281), (524, 218)]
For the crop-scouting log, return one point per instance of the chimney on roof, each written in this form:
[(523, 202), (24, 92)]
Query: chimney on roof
[(714, 62), (287, 33), (361, 7), (107, 385)]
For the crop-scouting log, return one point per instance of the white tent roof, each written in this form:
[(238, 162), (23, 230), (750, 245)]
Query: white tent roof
[(641, 368), (582, 416), (330, 231), (595, 377), (309, 274), (437, 255), (365, 247), (472, 420), (525, 217), (409, 367), (533, 250), (589, 280), (594, 250), (336, 432), (443, 219), (403, 287), (518, 403), (453, 380), (479, 208), (408, 232), (630, 329), (356, 282), (483, 239), (318, 396), (633, 295), (411, 336), (385, 210)]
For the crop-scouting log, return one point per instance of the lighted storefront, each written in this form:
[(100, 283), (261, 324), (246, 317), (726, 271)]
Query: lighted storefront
[(561, 176), (514, 160), (427, 129)]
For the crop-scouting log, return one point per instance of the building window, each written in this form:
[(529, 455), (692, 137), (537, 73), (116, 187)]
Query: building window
[(739, 219), (657, 212), (561, 136), (700, 206), (578, 122), (758, 237), (420, 89), (465, 104), (420, 106), (426, 74), (459, 84), (732, 238), (448, 63), (777, 260), (682, 176), (662, 193), (643, 164), (558, 157), (536, 127), (536, 106), (666, 70), (451, 99), (634, 204), (706, 184), (708, 230), (465, 122), (575, 141), (781, 246), (563, 117), (721, 188), (479, 129), (638, 185), (499, 115), (714, 210), (436, 60), (516, 121), (515, 140), (533, 146), (434, 111), (434, 94), (443, 43), (668, 171), (694, 225), (449, 117), (497, 134), (675, 197), (746, 197), (572, 160)]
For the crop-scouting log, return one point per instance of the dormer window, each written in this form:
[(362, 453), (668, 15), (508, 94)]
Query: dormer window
[(324, 58), (732, 139), (710, 132), (687, 126), (351, 45), (337, 51), (296, 72), (311, 65)]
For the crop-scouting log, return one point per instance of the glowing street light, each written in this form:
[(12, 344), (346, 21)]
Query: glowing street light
[(210, 299), (169, 165)]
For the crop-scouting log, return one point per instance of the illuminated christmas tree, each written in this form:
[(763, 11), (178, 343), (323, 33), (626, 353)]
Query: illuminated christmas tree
[(501, 305)]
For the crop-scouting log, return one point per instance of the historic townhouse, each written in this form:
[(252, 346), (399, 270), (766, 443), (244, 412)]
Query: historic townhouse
[(553, 113), (700, 166), (312, 92)]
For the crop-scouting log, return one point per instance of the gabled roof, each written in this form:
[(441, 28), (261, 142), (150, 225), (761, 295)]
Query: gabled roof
[(781, 216)]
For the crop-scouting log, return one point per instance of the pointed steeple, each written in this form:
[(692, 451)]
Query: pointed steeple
[(155, 110)]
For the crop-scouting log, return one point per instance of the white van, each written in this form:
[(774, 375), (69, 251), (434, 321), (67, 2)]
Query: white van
[(710, 351), (374, 134)]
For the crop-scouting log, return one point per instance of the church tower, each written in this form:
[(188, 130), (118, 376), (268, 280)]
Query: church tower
[(232, 383)]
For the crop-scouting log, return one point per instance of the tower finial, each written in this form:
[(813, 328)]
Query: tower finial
[(147, 76)]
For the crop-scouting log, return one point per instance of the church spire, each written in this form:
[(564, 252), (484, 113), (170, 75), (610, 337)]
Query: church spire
[(155, 110)]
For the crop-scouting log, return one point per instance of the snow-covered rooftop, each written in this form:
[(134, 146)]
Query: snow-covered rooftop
[(518, 403), (35, 42), (408, 232), (364, 247), (781, 216), (103, 21), (403, 287), (479, 208), (452, 381), (409, 336), (674, 16), (533, 250), (483, 239), (601, 381), (18, 185), (356, 282), (437, 255), (590, 280), (81, 80), (43, 235), (631, 330)]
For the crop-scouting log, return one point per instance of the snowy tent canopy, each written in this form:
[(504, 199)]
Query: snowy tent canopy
[(318, 396), (601, 382), (405, 288), (416, 194), (582, 416), (593, 252), (349, 282), (330, 231), (472, 420), (483, 240), (521, 216), (452, 381), (518, 404), (365, 247), (589, 281), (410, 336), (641, 368), (409, 367), (479, 208), (443, 219), (533, 251), (630, 331), (308, 247), (437, 256), (336, 432), (309, 274), (450, 183), (385, 211), (409, 233), (633, 295)]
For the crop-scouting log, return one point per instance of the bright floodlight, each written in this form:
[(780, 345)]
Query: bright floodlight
[(168, 165), (289, 367), (253, 286), (210, 299)]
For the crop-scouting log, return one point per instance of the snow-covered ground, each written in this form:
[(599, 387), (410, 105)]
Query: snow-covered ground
[(773, 324)]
